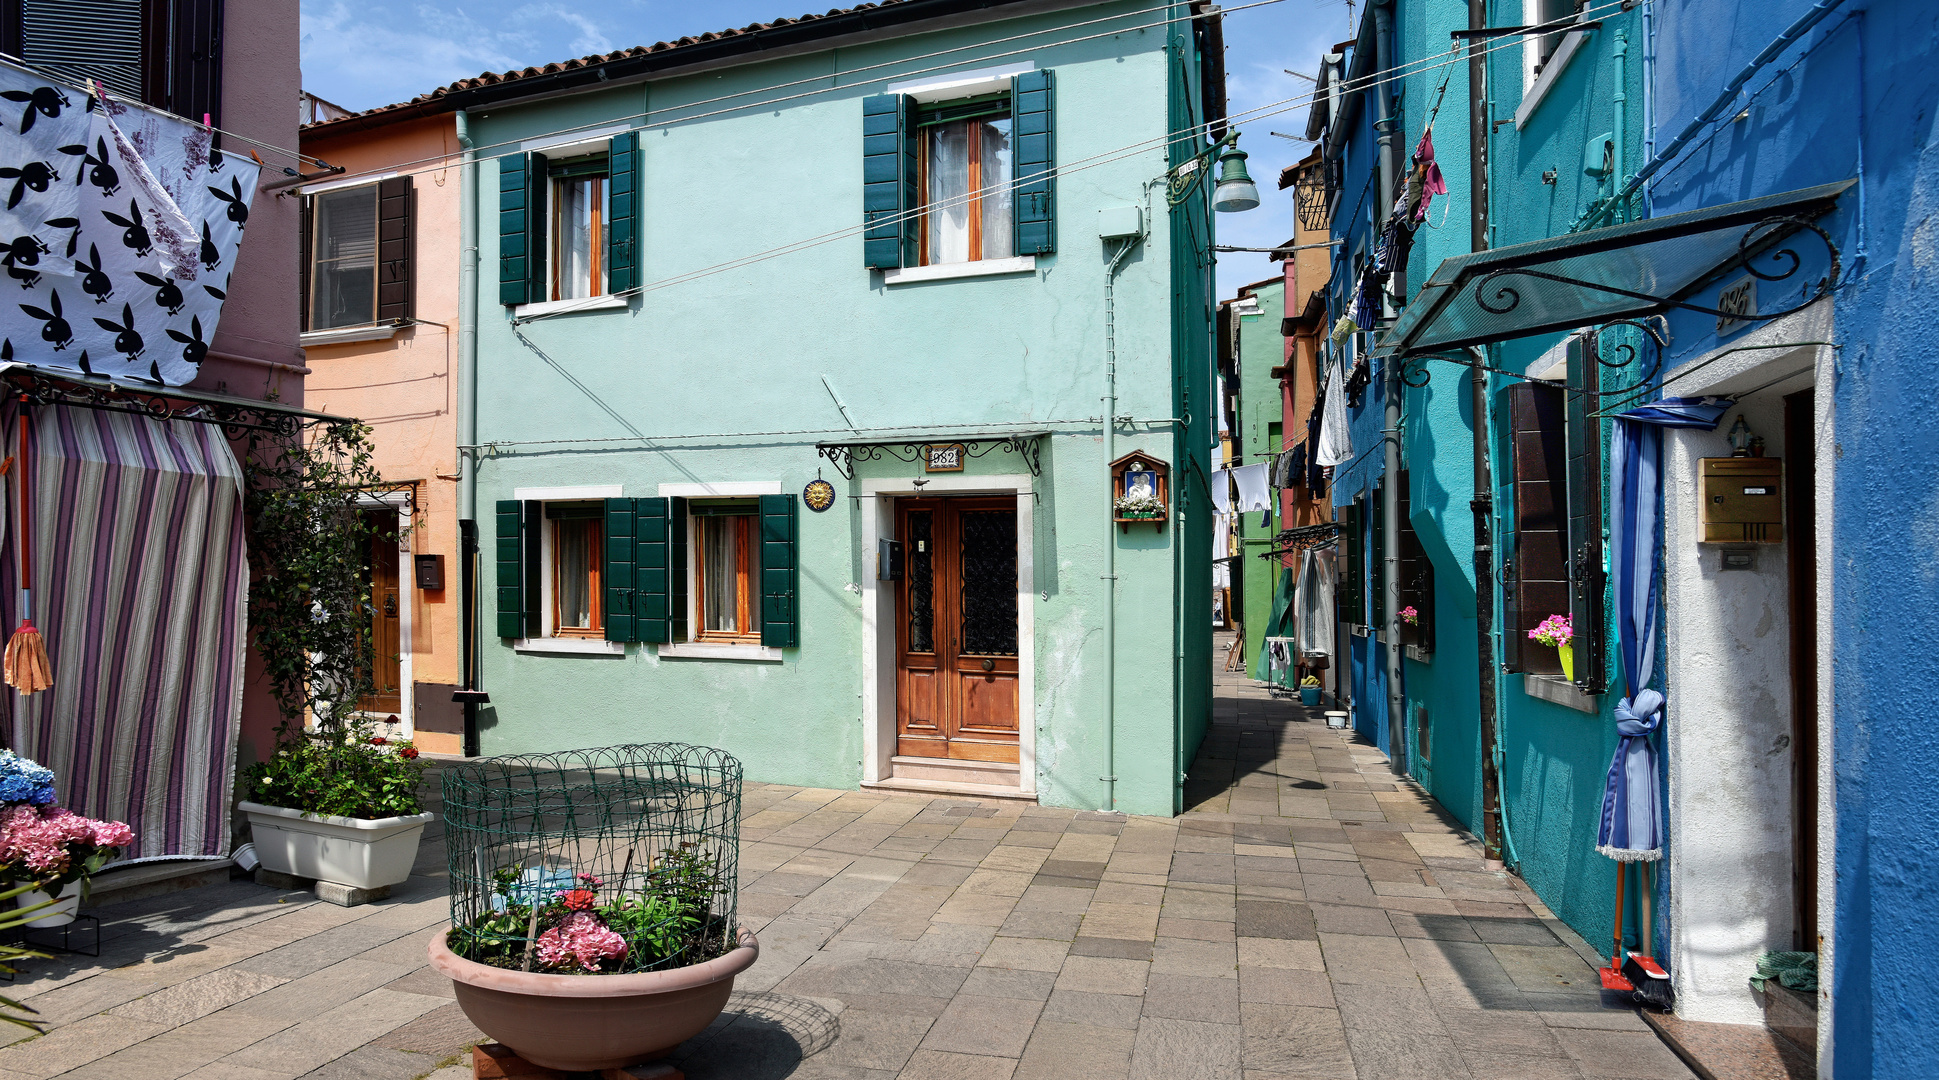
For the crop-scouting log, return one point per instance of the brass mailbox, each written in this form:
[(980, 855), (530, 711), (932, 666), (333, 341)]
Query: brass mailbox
[(1743, 500)]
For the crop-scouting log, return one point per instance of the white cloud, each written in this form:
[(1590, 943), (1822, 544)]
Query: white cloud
[(362, 58)]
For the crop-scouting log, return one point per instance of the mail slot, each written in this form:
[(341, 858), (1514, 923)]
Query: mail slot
[(1743, 500)]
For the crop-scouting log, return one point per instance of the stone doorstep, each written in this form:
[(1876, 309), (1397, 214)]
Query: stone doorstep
[(1731, 1051), (495, 1061)]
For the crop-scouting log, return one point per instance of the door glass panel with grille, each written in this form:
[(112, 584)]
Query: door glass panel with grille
[(956, 683)]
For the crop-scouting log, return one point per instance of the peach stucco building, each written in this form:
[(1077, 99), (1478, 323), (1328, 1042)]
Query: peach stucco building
[(380, 318)]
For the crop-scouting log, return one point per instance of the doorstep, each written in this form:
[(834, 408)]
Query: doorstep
[(118, 885), (1732, 1051)]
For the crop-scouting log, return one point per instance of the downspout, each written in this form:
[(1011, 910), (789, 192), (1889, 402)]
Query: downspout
[(1649, 97), (468, 426), (1483, 503), (1619, 58), (1110, 575), (1383, 15)]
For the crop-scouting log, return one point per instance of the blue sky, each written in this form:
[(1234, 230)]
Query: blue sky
[(364, 53)]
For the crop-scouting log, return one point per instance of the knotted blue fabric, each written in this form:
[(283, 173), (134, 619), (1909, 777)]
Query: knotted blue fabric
[(1632, 829)]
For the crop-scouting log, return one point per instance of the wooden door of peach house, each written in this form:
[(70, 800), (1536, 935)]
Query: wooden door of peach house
[(386, 620), (956, 629)]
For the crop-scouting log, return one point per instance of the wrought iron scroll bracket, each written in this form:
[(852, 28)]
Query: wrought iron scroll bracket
[(1506, 298), (843, 456), (235, 419)]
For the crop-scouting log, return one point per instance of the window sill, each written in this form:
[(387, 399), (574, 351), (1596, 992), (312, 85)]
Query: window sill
[(945, 271), (554, 307), (1551, 74), (1552, 688), (569, 647), (1415, 652), (348, 334), (716, 650)]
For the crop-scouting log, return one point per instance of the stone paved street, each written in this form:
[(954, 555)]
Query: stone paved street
[(1310, 916)]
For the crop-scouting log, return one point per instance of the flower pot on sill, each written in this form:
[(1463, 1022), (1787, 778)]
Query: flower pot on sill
[(362, 853), (63, 911), (583, 1023), (1567, 653)]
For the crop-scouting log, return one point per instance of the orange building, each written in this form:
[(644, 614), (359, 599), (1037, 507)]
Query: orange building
[(380, 289)]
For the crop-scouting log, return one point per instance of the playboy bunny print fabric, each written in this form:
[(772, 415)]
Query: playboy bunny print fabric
[(118, 229)]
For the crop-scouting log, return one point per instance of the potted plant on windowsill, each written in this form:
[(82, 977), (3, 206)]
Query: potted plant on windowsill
[(338, 806), (1558, 632)]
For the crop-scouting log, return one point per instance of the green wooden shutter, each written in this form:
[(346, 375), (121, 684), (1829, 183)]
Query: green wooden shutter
[(537, 286), (1586, 579), (677, 570), (511, 568), (780, 575), (1036, 202), (651, 577), (623, 213), (885, 186), (514, 243), (617, 573), (1377, 599)]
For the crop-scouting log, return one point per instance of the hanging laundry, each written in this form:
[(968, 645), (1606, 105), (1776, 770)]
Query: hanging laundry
[(1366, 304), (1296, 467), (1343, 329), (1254, 489), (174, 243), (1432, 183), (1336, 442), (1222, 492), (39, 207)]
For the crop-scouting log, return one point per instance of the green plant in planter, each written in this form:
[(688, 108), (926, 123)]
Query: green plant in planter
[(350, 773)]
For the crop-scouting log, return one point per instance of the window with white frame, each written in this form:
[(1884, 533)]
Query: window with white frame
[(966, 165), (726, 546), (573, 554), (1538, 50), (576, 262), (343, 258)]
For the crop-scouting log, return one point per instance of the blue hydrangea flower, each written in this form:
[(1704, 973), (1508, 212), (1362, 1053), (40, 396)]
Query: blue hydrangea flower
[(24, 781)]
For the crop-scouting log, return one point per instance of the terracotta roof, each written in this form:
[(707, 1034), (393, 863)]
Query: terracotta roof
[(751, 38)]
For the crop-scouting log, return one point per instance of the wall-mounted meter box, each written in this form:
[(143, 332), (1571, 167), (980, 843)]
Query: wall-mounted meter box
[(1743, 500)]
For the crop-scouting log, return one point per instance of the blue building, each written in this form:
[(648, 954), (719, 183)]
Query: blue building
[(1722, 202)]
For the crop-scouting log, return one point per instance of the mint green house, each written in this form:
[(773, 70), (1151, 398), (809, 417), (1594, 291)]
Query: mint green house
[(1258, 348), (784, 416)]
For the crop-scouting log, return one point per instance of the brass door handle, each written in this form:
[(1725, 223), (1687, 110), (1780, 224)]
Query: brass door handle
[(989, 664)]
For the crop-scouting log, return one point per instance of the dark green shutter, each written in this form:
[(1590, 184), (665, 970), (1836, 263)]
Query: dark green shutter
[(511, 568), (623, 213), (1377, 598), (652, 577), (1586, 578), (514, 218), (536, 286), (780, 575), (618, 571), (677, 570), (1036, 202), (887, 165)]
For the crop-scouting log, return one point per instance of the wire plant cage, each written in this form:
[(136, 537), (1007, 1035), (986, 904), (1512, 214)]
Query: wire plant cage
[(615, 860)]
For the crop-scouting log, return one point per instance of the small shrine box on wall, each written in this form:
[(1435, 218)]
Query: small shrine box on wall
[(1743, 500), (1140, 491)]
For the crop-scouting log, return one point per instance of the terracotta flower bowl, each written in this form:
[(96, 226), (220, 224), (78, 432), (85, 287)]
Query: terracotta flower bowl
[(583, 1023)]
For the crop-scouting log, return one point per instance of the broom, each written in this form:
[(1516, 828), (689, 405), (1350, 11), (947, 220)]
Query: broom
[(26, 668)]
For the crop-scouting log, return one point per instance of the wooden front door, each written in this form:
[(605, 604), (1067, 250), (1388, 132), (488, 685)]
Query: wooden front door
[(385, 619), (956, 629)]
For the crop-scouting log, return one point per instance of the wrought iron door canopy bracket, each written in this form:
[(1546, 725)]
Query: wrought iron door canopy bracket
[(844, 455)]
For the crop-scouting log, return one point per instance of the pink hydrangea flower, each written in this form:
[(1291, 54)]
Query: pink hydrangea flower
[(47, 841), (582, 940)]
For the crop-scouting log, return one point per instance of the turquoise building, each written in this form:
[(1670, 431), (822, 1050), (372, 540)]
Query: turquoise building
[(1257, 349), (814, 364)]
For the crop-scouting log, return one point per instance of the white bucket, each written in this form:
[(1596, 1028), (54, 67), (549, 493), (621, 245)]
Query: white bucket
[(1336, 720)]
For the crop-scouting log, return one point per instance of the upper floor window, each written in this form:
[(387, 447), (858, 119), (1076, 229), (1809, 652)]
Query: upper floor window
[(165, 53), (577, 259), (357, 254), (967, 165)]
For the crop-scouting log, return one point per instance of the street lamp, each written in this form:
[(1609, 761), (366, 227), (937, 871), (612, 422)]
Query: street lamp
[(1235, 190)]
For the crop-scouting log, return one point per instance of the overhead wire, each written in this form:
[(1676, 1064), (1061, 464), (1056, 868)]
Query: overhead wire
[(1104, 158)]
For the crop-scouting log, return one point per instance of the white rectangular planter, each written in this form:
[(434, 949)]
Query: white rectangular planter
[(362, 853)]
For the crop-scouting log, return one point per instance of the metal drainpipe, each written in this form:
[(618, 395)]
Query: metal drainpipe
[(1383, 16), (1649, 96), (1619, 56), (1484, 484), (1110, 575), (468, 420)]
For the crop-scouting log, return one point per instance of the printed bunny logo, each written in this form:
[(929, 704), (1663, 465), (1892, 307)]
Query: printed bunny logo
[(238, 210), (21, 256), (54, 330), (193, 347), (100, 173), (135, 232), (168, 295), (95, 283), (34, 176), (41, 101), (73, 237), (211, 258), (127, 341)]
